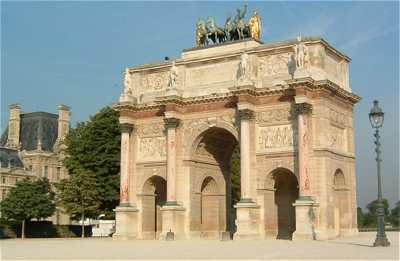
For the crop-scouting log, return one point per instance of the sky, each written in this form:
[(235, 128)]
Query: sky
[(74, 53)]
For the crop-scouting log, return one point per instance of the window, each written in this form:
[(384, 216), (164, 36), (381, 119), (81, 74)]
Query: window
[(3, 194), (46, 172), (58, 173), (3, 180)]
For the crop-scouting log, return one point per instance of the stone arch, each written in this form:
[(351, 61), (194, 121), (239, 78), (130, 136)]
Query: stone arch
[(153, 197), (210, 208), (209, 160), (341, 199), (339, 180), (194, 139), (280, 192)]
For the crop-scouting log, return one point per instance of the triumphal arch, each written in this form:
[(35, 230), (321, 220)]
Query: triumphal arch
[(286, 106)]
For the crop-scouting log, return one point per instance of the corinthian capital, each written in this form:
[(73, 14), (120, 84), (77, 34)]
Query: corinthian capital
[(303, 108), (126, 127), (246, 114), (171, 122)]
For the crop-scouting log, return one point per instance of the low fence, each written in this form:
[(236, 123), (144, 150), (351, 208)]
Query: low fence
[(42, 229), (371, 229)]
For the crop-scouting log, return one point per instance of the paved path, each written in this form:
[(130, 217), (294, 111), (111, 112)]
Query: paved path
[(91, 248)]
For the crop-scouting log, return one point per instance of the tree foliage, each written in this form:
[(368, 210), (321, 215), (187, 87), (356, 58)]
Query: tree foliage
[(395, 215), (235, 171), (27, 200), (94, 147), (79, 195), (370, 218)]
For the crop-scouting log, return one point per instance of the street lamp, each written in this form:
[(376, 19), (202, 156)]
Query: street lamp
[(376, 117)]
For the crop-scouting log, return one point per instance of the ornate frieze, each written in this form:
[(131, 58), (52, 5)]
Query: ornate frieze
[(152, 149), (274, 116), (155, 81), (151, 130), (273, 138), (274, 64), (335, 138)]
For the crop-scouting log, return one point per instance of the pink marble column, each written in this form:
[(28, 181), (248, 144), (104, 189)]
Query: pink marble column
[(245, 116), (126, 130), (303, 143), (171, 124)]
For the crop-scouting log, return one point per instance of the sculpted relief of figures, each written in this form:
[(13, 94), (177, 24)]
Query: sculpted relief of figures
[(276, 137), (152, 142), (337, 118), (152, 149)]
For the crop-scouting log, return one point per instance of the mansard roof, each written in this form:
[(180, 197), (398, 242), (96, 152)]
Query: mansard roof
[(10, 158), (38, 126), (35, 127)]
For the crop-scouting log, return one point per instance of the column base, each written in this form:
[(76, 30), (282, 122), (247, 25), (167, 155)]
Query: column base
[(172, 221), (305, 219), (126, 225), (247, 217), (381, 241)]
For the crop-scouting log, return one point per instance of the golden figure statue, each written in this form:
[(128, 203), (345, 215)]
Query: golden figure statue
[(255, 26)]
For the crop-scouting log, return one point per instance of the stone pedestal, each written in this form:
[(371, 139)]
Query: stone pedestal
[(127, 98), (247, 221), (172, 220), (305, 219), (126, 222)]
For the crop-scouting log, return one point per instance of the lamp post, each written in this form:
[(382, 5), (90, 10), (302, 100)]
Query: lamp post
[(376, 117)]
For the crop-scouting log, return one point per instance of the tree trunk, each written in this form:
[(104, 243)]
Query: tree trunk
[(23, 229), (83, 225)]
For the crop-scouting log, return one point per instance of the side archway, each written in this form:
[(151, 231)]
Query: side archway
[(341, 213), (153, 197), (281, 191), (210, 208)]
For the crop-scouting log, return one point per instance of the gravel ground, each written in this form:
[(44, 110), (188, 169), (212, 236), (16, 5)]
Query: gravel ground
[(354, 248)]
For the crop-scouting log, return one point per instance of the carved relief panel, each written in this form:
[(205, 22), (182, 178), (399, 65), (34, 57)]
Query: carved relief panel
[(274, 64), (211, 73), (276, 138), (152, 142)]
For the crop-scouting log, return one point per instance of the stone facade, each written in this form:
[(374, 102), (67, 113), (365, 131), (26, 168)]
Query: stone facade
[(31, 147), (292, 120)]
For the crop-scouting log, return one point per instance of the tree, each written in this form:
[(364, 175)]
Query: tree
[(371, 217), (360, 217), (79, 196), (395, 215), (235, 170), (95, 146), (27, 200)]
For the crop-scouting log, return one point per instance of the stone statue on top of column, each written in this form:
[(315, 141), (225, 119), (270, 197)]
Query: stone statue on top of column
[(127, 94), (173, 76), (127, 82), (243, 74), (300, 51)]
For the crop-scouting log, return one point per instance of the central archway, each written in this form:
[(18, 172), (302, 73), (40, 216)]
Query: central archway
[(211, 174)]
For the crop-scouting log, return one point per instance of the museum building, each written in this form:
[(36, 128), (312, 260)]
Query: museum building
[(31, 147)]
